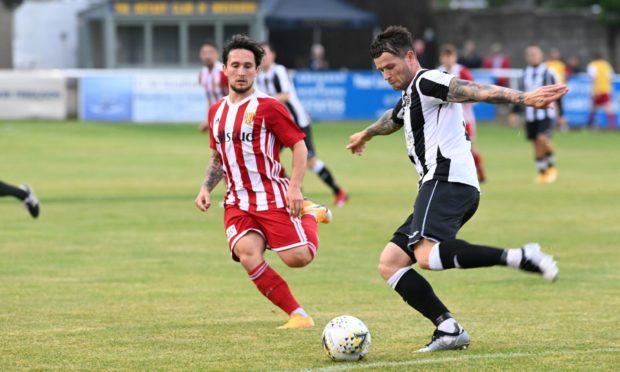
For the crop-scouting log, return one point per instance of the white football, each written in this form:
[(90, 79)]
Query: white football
[(346, 338)]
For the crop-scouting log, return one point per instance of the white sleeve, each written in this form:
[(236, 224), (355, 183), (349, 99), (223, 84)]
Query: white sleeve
[(285, 81), (591, 71)]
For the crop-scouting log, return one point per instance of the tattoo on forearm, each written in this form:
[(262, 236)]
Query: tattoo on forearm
[(469, 91), (215, 172), (384, 125)]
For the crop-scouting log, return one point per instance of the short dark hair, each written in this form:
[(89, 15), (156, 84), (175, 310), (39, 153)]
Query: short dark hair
[(396, 40), (448, 50), (268, 45), (210, 43), (241, 41)]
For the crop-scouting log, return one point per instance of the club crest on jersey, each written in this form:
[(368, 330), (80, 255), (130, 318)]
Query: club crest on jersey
[(406, 100), (248, 119)]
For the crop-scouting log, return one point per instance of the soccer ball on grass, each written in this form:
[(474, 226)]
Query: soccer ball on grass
[(346, 338)]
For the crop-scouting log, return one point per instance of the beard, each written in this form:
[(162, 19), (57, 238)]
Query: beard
[(241, 90)]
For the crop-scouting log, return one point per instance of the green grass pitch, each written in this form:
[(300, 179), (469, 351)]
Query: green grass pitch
[(122, 272)]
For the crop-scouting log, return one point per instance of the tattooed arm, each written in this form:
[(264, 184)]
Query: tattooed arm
[(469, 91), (384, 126), (215, 173)]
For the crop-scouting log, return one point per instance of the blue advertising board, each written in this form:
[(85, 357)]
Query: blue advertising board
[(357, 95), (326, 95), (578, 102), (106, 98)]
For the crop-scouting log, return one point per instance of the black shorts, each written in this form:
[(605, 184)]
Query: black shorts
[(440, 210), (536, 127), (308, 141)]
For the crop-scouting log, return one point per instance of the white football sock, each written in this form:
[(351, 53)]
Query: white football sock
[(434, 260), (318, 166), (301, 312), (514, 257)]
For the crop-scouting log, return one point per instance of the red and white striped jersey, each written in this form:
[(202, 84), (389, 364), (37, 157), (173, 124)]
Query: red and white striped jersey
[(248, 136), (463, 73), (214, 82)]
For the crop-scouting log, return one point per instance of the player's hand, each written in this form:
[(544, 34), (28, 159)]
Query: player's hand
[(203, 200), (294, 200), (204, 127), (544, 96), (357, 142)]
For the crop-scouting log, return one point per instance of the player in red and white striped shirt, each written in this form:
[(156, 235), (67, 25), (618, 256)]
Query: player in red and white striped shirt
[(211, 77), (448, 57), (263, 208)]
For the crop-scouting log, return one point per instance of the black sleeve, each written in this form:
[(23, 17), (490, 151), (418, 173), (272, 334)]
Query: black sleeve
[(397, 113), (430, 88)]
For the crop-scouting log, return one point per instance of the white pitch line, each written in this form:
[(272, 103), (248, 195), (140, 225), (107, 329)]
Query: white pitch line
[(346, 367)]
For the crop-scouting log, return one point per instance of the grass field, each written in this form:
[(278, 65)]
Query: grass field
[(121, 272)]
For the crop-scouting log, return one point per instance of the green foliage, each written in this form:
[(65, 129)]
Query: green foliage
[(121, 272)]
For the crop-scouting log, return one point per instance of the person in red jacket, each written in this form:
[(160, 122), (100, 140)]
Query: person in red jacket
[(448, 56), (497, 60)]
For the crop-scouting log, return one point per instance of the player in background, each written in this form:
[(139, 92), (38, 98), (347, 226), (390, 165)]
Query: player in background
[(23, 193), (274, 80), (602, 75), (554, 63), (448, 56), (430, 112), (538, 122), (263, 209), (211, 77)]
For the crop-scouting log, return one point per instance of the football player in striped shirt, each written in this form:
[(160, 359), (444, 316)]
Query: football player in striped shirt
[(211, 77), (431, 115), (25, 194), (274, 80), (263, 209)]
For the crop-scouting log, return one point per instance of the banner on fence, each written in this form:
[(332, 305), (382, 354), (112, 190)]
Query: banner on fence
[(33, 96)]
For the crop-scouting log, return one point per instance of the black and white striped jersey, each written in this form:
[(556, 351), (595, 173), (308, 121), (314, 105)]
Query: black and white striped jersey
[(533, 78), (435, 130), (276, 81)]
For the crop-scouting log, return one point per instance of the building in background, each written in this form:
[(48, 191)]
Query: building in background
[(168, 33), (45, 34)]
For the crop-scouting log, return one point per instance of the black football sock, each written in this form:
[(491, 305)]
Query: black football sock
[(327, 177), (6, 189), (463, 255), (419, 294)]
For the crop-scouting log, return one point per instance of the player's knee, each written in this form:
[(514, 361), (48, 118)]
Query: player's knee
[(386, 271), (298, 257)]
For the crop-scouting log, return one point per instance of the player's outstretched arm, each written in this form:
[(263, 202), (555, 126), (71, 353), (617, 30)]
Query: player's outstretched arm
[(384, 126), (469, 91), (215, 173)]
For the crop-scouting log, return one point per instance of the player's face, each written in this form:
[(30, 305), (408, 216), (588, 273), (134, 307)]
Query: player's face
[(395, 69), (208, 55), (241, 70), (533, 56), (269, 58), (447, 59)]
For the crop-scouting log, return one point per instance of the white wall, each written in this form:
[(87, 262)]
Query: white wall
[(45, 33)]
